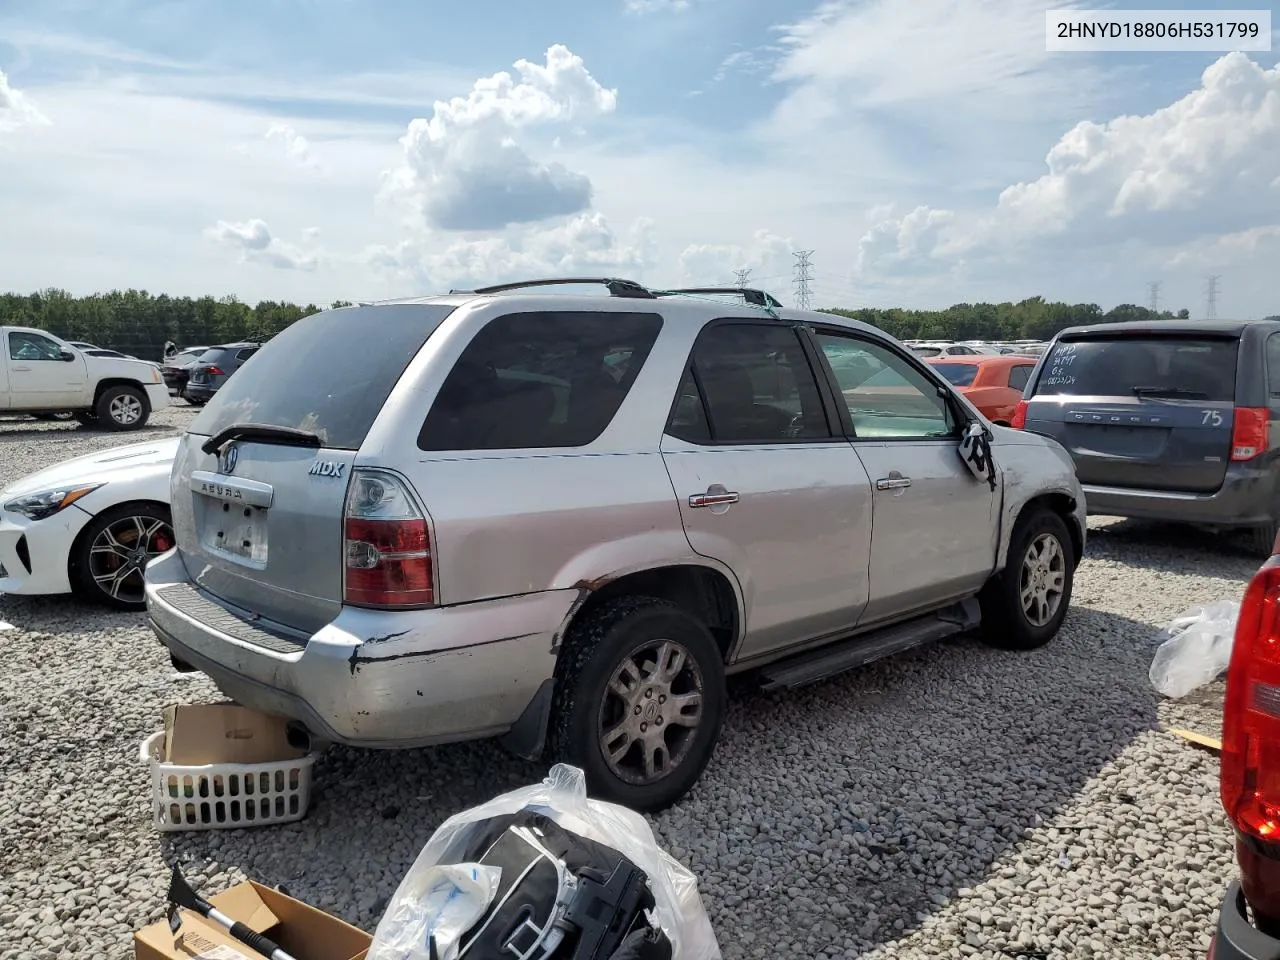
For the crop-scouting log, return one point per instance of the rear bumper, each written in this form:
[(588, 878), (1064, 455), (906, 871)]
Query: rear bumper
[(199, 391), (371, 678), (1247, 497), (1237, 938)]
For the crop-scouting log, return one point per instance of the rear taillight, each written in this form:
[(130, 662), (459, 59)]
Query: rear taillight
[(1249, 432), (387, 548), (213, 371), (1019, 419), (1250, 763)]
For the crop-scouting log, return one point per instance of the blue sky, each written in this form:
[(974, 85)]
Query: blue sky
[(928, 153)]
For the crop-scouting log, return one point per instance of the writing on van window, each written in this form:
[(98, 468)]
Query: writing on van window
[(1058, 381)]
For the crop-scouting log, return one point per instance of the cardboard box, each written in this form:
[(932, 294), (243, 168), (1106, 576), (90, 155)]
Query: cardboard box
[(197, 734), (300, 930)]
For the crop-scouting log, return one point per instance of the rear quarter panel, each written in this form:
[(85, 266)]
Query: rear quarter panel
[(510, 522)]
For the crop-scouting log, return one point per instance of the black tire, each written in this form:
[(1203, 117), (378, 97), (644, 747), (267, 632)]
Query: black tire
[(92, 559), (122, 408), (584, 705), (1006, 622), (85, 418), (1262, 538)]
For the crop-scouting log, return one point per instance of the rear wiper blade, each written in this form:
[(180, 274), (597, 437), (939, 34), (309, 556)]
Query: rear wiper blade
[(286, 436), (1170, 392)]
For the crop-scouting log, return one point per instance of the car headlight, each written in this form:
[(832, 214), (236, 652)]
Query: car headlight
[(38, 506)]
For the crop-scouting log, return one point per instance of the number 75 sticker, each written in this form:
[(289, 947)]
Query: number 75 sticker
[(1212, 418)]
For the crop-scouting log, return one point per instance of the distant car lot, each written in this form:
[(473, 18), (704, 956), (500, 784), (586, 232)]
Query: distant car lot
[(949, 796)]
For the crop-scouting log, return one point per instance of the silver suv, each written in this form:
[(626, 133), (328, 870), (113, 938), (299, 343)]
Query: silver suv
[(562, 519)]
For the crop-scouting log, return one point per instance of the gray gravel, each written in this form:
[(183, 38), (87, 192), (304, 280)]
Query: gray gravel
[(952, 802)]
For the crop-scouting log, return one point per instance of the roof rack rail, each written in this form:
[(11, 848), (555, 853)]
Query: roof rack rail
[(757, 297), (616, 286)]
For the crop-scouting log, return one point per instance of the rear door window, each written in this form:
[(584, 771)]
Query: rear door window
[(1018, 376), (329, 373), (1273, 366), (1168, 367), (540, 379), (957, 374)]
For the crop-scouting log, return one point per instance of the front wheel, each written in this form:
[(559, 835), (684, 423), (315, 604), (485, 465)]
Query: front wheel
[(1024, 606), (110, 556), (122, 408), (639, 701)]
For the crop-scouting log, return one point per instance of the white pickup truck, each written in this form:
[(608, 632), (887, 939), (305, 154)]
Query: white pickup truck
[(45, 376)]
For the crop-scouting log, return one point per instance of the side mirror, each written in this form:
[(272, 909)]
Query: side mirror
[(66, 356)]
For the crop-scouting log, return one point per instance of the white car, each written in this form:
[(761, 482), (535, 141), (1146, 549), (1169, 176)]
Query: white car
[(89, 525)]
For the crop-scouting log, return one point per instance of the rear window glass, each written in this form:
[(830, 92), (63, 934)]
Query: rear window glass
[(926, 351), (1190, 368), (531, 380), (329, 373), (957, 374)]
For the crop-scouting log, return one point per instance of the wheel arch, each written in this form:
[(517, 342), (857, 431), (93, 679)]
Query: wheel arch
[(1062, 504), (106, 383), (80, 538)]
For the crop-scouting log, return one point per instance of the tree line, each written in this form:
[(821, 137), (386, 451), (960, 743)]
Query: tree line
[(139, 323)]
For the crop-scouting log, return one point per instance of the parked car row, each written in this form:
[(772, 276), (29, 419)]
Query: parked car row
[(929, 349), (196, 373)]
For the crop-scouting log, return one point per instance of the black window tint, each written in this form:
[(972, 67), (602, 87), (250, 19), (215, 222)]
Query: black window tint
[(1018, 376), (540, 380), (244, 355), (310, 378), (957, 374), (1178, 367), (1273, 364), (688, 419), (758, 385), (32, 346)]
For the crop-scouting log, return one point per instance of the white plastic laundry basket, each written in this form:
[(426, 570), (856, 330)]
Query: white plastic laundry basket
[(215, 796)]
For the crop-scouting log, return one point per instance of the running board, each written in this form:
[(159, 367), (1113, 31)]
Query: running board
[(863, 649)]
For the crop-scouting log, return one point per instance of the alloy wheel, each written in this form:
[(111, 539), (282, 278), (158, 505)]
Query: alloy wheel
[(1042, 579), (119, 555)]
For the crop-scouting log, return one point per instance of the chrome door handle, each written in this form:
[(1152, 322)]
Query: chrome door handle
[(712, 499), (893, 483)]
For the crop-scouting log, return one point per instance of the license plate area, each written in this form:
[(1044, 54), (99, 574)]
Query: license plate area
[(232, 518)]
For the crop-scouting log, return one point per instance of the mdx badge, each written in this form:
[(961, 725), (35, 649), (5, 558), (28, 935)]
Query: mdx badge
[(228, 456), (327, 468)]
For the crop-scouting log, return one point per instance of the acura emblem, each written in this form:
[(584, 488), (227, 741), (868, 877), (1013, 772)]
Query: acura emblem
[(227, 458)]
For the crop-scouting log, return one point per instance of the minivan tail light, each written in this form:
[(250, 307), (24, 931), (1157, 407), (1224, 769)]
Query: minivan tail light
[(1250, 763), (1019, 419), (387, 558), (1250, 431)]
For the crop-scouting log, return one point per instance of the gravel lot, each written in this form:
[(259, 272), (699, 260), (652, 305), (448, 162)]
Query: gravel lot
[(951, 802)]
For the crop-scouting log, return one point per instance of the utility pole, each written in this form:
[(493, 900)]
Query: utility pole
[(1211, 296), (803, 278), (1154, 288), (741, 276)]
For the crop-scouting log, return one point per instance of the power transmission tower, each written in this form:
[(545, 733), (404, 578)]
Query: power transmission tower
[(803, 278), (1211, 296), (1154, 288), (741, 277)]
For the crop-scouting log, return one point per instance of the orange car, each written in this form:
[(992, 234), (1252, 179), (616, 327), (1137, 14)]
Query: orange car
[(992, 384)]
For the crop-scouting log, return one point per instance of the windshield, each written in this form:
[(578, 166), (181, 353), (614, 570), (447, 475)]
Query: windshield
[(1168, 367), (957, 374), (308, 376)]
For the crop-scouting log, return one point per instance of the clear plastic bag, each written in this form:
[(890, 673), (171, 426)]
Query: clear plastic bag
[(1198, 648), (562, 796)]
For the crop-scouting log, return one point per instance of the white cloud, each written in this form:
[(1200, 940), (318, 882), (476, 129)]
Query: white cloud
[(767, 256), (16, 109), (296, 147), (581, 244), (894, 243), (656, 6), (254, 242), (464, 170)]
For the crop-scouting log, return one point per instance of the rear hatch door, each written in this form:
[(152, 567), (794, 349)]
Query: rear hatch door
[(260, 480), (1149, 411)]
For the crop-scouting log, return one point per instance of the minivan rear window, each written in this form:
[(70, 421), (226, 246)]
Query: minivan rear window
[(533, 380), (329, 373), (1176, 368), (957, 374)]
